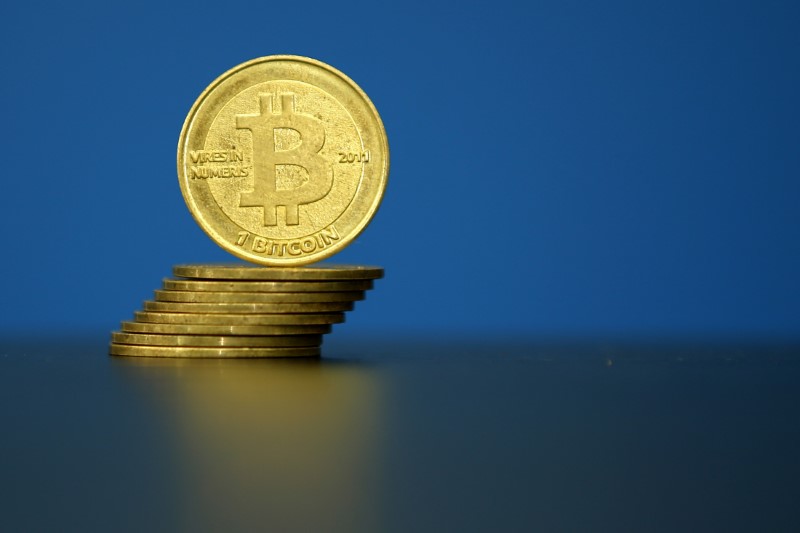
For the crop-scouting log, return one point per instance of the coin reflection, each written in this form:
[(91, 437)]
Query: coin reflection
[(267, 443)]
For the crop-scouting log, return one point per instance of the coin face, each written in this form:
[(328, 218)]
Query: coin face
[(283, 160)]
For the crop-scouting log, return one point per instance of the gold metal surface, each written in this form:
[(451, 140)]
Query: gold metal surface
[(244, 272), (144, 339), (185, 351), (283, 160), (256, 308), (257, 297), (267, 286), (224, 329), (240, 319)]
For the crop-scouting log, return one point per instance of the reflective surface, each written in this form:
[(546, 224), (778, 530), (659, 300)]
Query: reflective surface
[(417, 435)]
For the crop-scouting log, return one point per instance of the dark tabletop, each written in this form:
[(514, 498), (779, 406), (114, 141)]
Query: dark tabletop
[(403, 434)]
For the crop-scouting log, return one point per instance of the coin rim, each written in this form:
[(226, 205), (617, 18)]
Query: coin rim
[(130, 326), (239, 319), (322, 272), (246, 308), (162, 295), (267, 286), (335, 247), (215, 341), (204, 352)]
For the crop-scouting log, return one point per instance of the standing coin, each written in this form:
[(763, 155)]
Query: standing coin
[(283, 160)]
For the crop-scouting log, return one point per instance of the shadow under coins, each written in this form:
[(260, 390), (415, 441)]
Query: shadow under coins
[(267, 444)]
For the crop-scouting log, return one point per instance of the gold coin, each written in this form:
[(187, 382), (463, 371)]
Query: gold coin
[(240, 319), (242, 272), (257, 297), (223, 329), (234, 308), (283, 160), (267, 286), (187, 351), (218, 340)]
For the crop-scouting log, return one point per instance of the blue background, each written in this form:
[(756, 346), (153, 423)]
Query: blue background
[(558, 168)]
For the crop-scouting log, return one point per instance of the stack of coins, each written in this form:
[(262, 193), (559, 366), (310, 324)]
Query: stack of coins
[(244, 311), (282, 161)]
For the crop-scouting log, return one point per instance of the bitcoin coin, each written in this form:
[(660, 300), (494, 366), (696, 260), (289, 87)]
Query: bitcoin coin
[(234, 308), (223, 329), (267, 286), (245, 272), (283, 160), (239, 320), (185, 351), (256, 297), (275, 341)]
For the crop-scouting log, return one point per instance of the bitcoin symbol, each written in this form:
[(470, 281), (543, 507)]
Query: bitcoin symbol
[(268, 156)]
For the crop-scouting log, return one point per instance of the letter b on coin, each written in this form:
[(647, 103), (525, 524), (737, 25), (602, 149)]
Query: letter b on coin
[(268, 156)]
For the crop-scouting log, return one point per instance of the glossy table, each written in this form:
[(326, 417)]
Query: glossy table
[(403, 434)]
